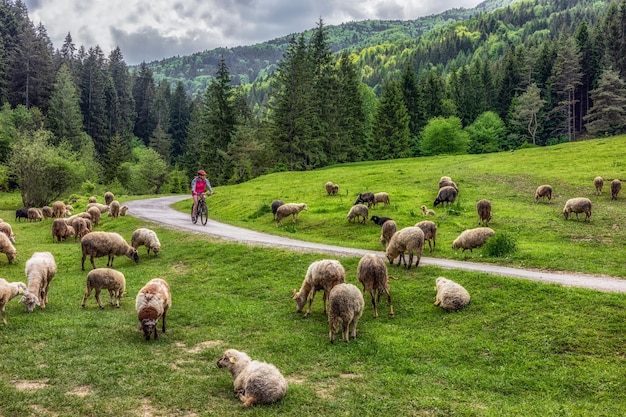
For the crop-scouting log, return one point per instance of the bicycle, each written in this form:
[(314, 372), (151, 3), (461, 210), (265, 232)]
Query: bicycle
[(202, 212)]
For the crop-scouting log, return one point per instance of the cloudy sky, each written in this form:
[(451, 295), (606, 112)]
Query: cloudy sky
[(147, 30)]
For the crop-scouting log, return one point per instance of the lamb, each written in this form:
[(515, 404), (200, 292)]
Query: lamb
[(153, 301), (102, 207), (345, 306), (147, 238), (365, 198), (472, 238), (47, 212), (123, 210), (411, 240), (95, 214), (483, 207), (446, 194), (254, 382), (61, 230), (430, 233), (598, 183), (275, 204), (616, 186), (450, 295), (380, 220), (40, 270), (8, 291), (331, 189), (320, 275), (446, 181), (7, 248), (105, 279), (98, 244), (289, 209), (372, 273), (543, 191), (108, 197), (387, 231), (381, 198), (7, 230), (58, 209), (35, 215), (577, 205), (356, 212), (114, 209), (21, 214), (427, 211)]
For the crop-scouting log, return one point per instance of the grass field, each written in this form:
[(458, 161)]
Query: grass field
[(520, 349)]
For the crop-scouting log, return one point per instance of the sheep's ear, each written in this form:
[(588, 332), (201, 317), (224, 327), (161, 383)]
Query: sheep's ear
[(232, 360)]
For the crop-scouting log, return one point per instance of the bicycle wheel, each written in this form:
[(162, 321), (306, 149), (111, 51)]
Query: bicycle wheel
[(204, 214), (192, 218)]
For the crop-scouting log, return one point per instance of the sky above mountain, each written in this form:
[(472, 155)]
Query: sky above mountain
[(148, 30)]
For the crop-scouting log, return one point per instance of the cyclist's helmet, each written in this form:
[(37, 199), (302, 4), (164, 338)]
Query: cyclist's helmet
[(201, 172)]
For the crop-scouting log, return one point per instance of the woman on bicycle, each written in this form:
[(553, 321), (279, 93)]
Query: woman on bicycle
[(199, 185)]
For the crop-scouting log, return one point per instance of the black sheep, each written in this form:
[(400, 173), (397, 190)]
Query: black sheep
[(380, 220), (21, 214)]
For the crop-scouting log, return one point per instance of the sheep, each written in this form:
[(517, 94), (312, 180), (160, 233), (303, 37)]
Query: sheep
[(472, 238), (616, 186), (79, 224), (331, 189), (409, 239), (430, 233), (58, 209), (105, 279), (446, 194), (35, 214), (577, 205), (380, 220), (365, 198), (40, 270), (345, 306), (7, 230), (68, 210), (123, 210), (92, 199), (21, 214), (483, 207), (108, 197), (8, 291), (356, 212), (254, 382), (147, 238), (95, 214), (275, 204), (61, 230), (47, 212), (320, 275), (598, 183), (289, 209), (447, 181), (372, 273), (102, 207), (153, 301), (7, 248), (381, 198), (114, 209), (387, 231), (98, 244), (450, 295), (543, 191), (427, 211)]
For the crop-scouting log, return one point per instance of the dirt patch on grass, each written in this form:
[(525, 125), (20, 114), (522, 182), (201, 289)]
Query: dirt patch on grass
[(148, 410), (204, 345), (25, 385), (81, 391)]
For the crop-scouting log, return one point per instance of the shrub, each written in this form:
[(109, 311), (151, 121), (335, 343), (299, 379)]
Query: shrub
[(500, 245)]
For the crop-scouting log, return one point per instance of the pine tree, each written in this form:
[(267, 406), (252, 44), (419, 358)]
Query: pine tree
[(391, 134), (122, 110), (118, 151), (566, 77), (180, 114), (95, 87), (411, 99), (161, 142), (64, 117), (144, 93), (608, 114)]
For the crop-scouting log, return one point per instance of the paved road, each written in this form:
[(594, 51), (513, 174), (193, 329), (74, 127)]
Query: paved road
[(158, 210)]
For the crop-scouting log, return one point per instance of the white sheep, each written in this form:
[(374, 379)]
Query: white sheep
[(616, 186), (450, 295), (543, 191), (95, 214), (446, 181), (40, 270), (254, 382), (105, 279), (102, 207), (35, 214), (598, 183), (153, 302), (287, 210), (372, 273), (387, 230), (407, 240), (108, 197), (98, 244), (7, 248), (345, 307), (331, 188), (483, 207), (147, 238), (358, 211), (381, 197), (114, 209), (123, 210), (8, 291), (320, 275), (92, 199), (7, 230), (472, 238), (430, 233), (577, 205)]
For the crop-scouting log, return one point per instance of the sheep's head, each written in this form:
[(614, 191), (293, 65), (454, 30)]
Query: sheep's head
[(11, 255), (299, 299), (149, 326), (30, 300), (231, 358), (21, 287), (133, 254)]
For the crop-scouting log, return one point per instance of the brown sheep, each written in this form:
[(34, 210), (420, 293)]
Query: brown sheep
[(58, 209), (372, 273), (598, 183), (61, 230), (320, 275), (98, 244), (616, 186), (153, 302), (543, 191), (483, 207)]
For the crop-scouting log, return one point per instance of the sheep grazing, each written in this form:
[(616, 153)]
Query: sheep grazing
[(577, 205), (430, 233), (123, 210), (7, 230), (95, 214), (616, 186), (98, 244), (61, 230), (427, 211), (472, 238), (8, 291), (92, 199), (320, 275), (381, 198), (372, 273), (345, 307), (153, 302), (365, 198), (379, 220), (40, 269), (105, 279), (114, 209), (21, 214), (275, 204), (79, 224), (331, 189), (58, 209), (254, 382), (108, 197), (289, 209), (598, 183), (387, 231), (450, 295), (446, 181), (47, 212), (35, 214), (356, 212), (483, 207), (147, 238), (408, 240), (446, 194), (102, 207), (543, 191), (7, 248)]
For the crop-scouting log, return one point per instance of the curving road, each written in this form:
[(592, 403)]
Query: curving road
[(158, 210)]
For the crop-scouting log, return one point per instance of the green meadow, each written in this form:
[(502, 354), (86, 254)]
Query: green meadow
[(520, 348)]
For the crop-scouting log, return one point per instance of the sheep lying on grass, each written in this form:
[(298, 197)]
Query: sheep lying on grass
[(287, 210), (446, 194), (577, 205), (387, 231), (105, 279), (331, 189), (320, 275), (616, 186), (372, 273), (254, 382), (543, 191), (483, 207), (345, 307), (7, 248), (358, 211), (450, 295), (153, 302), (274, 206), (40, 269), (598, 183), (408, 240), (430, 233), (8, 291), (427, 211), (472, 238), (147, 238), (98, 244)]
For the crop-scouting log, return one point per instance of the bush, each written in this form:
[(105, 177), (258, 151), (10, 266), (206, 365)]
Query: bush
[(500, 245)]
